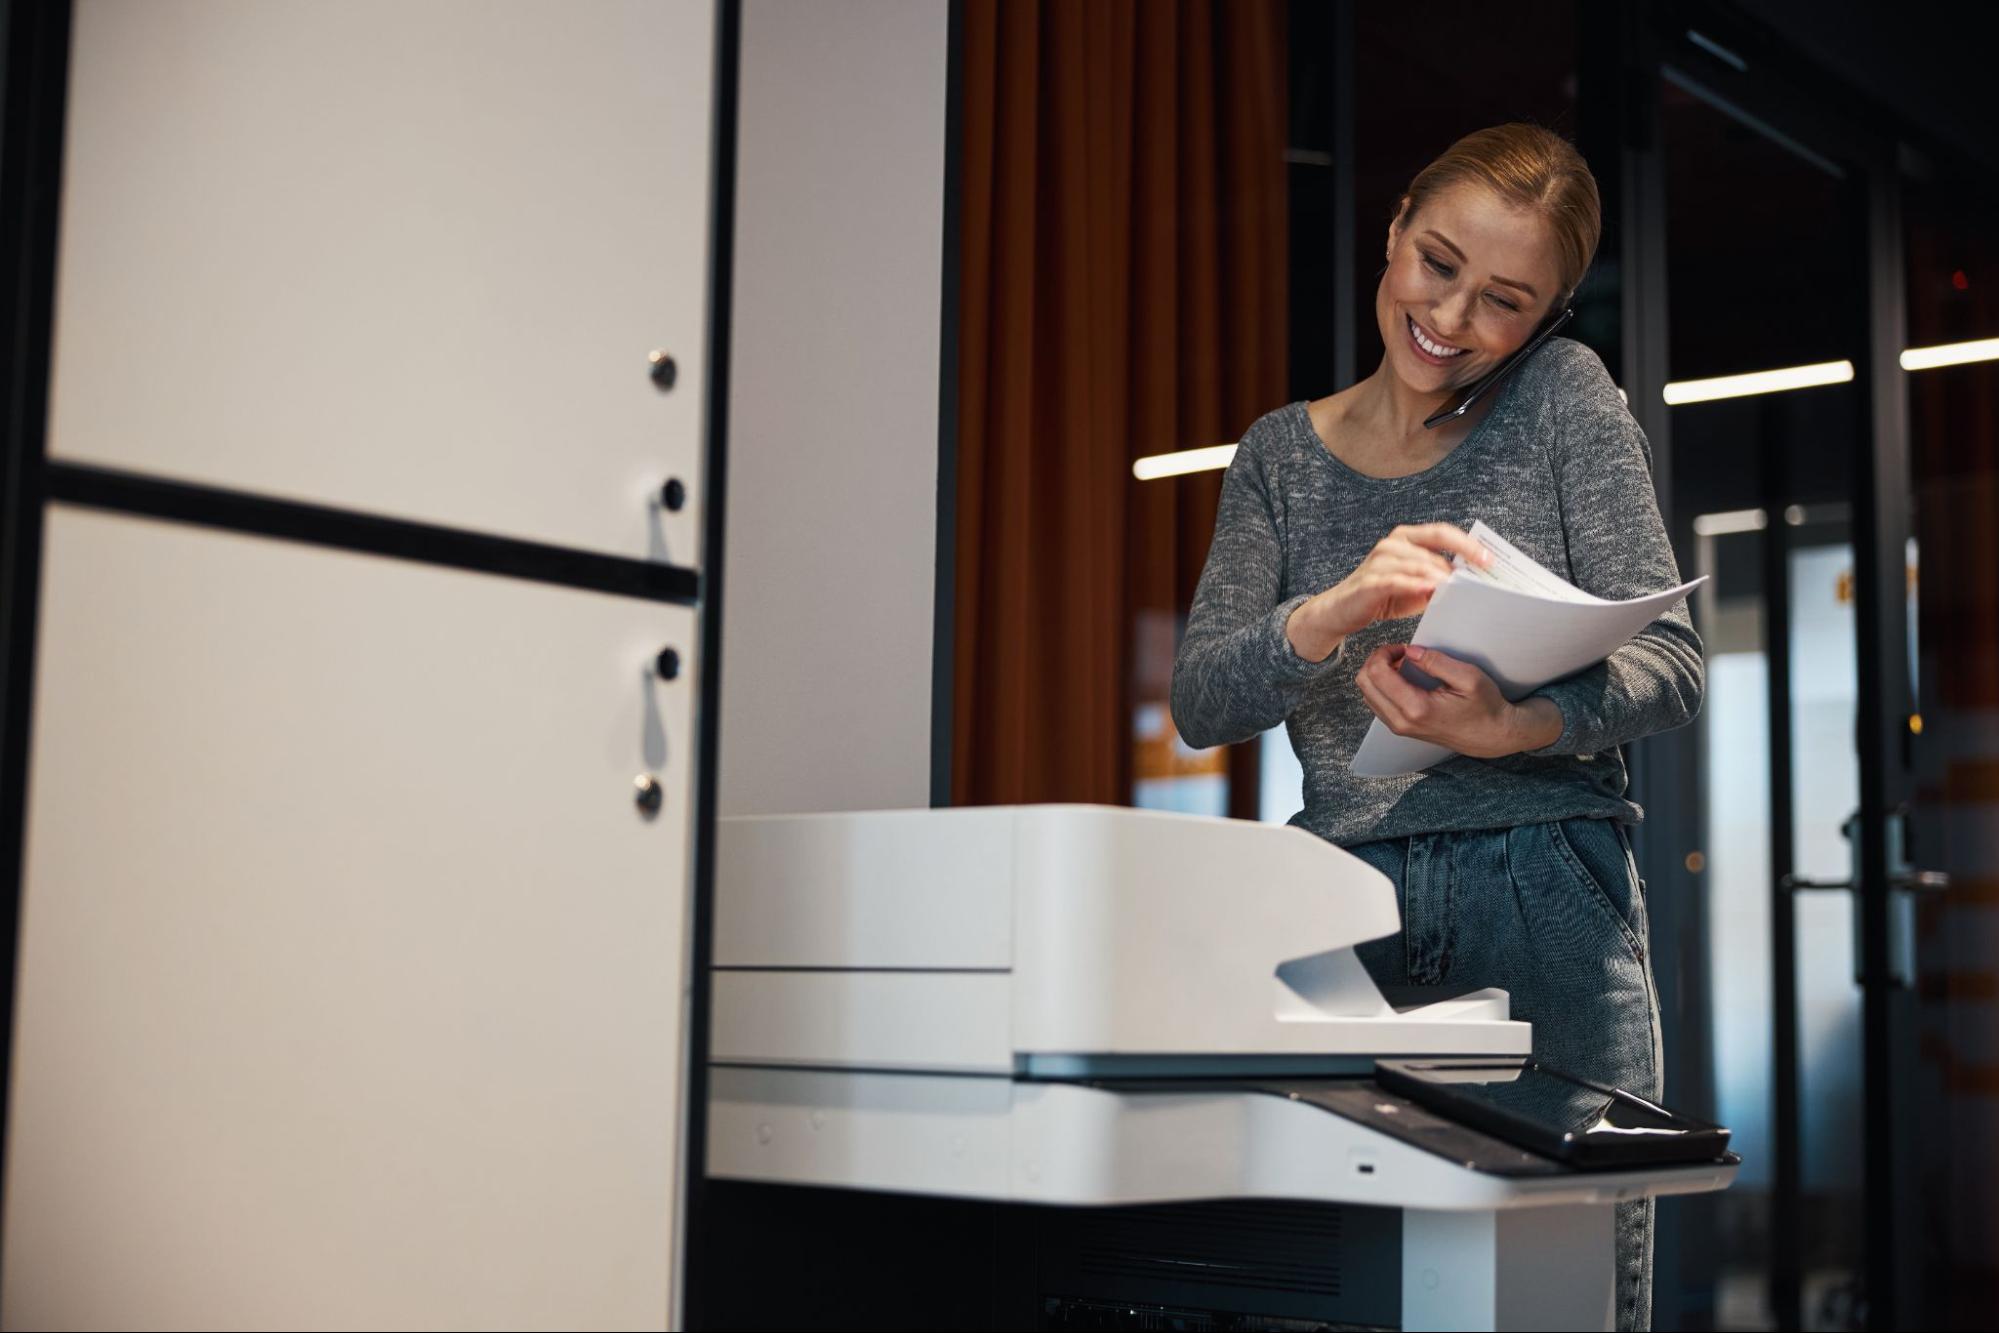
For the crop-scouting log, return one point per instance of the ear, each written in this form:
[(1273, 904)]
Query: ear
[(1399, 221)]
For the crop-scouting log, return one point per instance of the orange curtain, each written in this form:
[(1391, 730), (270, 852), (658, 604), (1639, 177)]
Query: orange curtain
[(1124, 254)]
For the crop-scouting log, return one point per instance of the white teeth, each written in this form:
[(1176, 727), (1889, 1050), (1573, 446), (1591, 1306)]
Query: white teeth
[(1433, 348)]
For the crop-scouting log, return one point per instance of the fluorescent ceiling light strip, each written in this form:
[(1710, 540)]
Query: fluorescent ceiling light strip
[(1761, 381), (1676, 393), (1717, 50), (1950, 354), (1187, 460), (1729, 520)]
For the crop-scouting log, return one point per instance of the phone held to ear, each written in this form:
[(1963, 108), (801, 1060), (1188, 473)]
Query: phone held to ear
[(1554, 321)]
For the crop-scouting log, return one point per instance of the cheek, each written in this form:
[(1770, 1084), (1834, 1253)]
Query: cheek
[(1502, 336), (1390, 306), (1398, 294), (1398, 286)]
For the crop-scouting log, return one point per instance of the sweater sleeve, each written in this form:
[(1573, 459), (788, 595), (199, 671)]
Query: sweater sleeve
[(1618, 548), (1235, 674)]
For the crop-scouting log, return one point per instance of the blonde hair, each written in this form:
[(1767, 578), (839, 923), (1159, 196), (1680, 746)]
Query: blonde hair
[(1529, 167)]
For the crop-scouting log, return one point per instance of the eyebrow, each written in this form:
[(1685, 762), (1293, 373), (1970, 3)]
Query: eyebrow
[(1505, 282)]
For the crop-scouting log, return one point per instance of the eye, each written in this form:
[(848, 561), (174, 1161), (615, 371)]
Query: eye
[(1504, 304), (1439, 268)]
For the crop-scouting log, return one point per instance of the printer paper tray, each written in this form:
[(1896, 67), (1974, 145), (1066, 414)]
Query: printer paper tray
[(972, 1136)]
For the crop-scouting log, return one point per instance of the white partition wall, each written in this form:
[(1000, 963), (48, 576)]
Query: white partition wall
[(364, 801), (834, 404)]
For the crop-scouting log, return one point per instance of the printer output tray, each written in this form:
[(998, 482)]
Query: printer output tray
[(1139, 1141), (1366, 1102)]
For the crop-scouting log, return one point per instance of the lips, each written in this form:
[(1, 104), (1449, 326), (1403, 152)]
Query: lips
[(1409, 324)]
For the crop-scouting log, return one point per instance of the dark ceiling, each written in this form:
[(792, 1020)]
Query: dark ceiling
[(1926, 62)]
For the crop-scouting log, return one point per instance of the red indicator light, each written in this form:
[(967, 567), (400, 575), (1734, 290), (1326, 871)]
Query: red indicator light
[(1959, 281)]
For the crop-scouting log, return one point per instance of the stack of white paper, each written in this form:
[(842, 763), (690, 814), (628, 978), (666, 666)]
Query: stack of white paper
[(1521, 625)]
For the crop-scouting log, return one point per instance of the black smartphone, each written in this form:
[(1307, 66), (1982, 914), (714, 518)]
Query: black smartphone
[(1553, 322), (1558, 1115)]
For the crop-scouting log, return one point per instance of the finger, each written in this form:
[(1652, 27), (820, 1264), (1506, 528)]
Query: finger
[(1450, 539), (1407, 697), (1403, 553), (1454, 672), (1415, 562), (1403, 598), (1383, 581), (1390, 716), (1405, 584)]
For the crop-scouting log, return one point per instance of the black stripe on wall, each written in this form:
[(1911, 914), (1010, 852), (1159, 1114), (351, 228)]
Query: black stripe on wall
[(371, 534)]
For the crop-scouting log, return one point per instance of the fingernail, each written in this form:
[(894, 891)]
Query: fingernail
[(1415, 652)]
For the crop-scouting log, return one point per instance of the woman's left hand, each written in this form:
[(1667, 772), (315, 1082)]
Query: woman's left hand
[(1466, 711)]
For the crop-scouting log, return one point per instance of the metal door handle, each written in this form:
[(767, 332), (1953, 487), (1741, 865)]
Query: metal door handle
[(1912, 881), (1798, 883)]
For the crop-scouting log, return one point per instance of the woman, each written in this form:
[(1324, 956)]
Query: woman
[(1338, 519)]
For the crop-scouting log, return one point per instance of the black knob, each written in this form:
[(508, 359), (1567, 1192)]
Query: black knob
[(668, 664), (673, 494), (664, 371), (649, 794)]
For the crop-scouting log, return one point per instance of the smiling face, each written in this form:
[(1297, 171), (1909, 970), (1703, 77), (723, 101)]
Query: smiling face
[(1470, 276)]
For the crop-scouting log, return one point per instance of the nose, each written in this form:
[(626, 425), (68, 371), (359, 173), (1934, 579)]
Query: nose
[(1453, 315)]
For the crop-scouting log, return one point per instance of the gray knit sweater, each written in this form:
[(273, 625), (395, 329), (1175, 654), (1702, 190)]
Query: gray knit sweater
[(1559, 467)]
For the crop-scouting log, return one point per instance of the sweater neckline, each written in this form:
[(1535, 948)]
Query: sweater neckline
[(1430, 473)]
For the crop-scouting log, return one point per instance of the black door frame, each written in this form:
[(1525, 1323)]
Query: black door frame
[(1746, 74), (1624, 51), (33, 102)]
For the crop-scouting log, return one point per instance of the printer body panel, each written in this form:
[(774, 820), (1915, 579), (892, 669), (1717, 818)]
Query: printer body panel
[(950, 1022), (912, 1133), (1149, 933), (1113, 932), (928, 889)]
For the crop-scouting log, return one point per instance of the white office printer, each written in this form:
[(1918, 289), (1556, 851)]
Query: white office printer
[(1096, 1006)]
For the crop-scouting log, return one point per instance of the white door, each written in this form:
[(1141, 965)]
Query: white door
[(353, 973)]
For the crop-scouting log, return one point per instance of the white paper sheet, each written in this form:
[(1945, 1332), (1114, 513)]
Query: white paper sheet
[(1521, 625)]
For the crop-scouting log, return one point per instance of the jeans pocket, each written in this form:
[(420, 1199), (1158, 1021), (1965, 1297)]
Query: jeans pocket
[(1591, 873)]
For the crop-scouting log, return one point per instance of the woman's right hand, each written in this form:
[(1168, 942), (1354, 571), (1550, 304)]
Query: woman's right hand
[(1393, 580)]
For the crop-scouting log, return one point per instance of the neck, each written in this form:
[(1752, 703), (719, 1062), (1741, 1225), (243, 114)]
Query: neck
[(1388, 409)]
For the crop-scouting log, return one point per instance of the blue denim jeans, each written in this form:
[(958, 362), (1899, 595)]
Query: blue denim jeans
[(1554, 914)]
